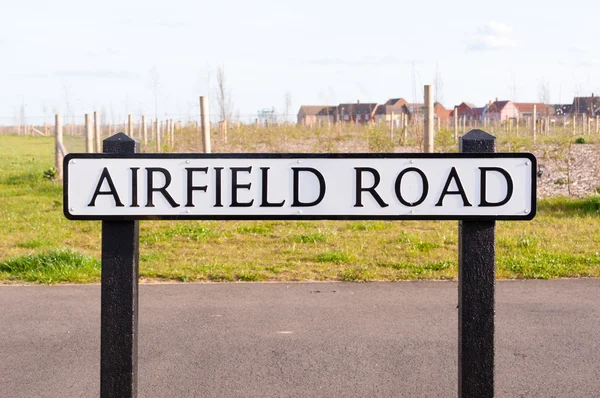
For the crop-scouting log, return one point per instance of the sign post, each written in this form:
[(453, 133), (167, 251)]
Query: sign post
[(119, 296), (476, 284), (476, 187)]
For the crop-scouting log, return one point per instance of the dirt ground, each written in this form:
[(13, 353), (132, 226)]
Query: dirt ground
[(573, 171)]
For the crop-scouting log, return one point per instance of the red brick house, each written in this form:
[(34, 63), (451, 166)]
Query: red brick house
[(464, 109), (502, 110)]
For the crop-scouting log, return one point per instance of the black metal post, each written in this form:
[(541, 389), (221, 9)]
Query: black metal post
[(119, 311), (476, 283)]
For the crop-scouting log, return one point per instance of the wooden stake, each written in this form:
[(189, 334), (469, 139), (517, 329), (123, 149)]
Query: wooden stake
[(144, 131), (534, 121), (130, 126), (158, 126), (455, 125), (97, 133), (205, 121), (392, 128), (58, 146), (428, 121), (89, 134)]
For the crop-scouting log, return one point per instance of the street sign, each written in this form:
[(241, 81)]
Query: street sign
[(456, 186)]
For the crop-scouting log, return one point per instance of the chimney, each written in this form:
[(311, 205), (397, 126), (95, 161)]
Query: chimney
[(358, 102)]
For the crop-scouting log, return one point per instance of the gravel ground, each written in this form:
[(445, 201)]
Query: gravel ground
[(577, 174)]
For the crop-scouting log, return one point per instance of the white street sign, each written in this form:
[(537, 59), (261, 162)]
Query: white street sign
[(300, 186)]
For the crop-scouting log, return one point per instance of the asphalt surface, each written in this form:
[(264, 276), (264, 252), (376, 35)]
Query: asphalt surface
[(303, 340)]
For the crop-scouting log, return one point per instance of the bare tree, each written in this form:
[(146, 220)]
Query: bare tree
[(513, 87), (23, 119), (438, 85), (287, 100), (544, 91), (154, 81), (223, 95)]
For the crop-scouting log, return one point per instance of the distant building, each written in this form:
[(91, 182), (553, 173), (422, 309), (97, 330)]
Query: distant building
[(479, 114), (392, 109), (586, 105), (562, 109), (502, 111), (441, 113), (526, 109), (357, 112), (312, 115), (465, 109)]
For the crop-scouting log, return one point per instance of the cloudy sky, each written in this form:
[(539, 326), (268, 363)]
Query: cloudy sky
[(132, 56)]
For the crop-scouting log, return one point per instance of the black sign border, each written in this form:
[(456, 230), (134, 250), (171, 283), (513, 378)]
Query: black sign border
[(500, 155)]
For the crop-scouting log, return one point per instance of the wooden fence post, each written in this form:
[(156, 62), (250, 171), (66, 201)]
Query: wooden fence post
[(97, 133), (144, 132), (428, 143), (89, 134), (158, 133), (534, 121), (476, 284), (152, 130), (172, 133), (455, 125), (59, 149), (205, 121), (130, 125)]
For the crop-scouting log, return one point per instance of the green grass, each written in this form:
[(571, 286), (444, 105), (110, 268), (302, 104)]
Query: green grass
[(562, 241), (52, 266)]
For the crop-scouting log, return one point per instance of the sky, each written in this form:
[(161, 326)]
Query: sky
[(157, 57)]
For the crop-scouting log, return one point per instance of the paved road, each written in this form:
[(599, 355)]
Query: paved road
[(303, 340)]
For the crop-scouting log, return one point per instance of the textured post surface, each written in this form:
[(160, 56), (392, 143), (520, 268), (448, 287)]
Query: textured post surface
[(428, 121), (119, 296), (476, 284)]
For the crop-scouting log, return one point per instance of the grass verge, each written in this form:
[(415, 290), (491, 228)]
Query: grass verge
[(562, 241)]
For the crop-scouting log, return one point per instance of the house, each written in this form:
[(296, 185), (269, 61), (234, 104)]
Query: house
[(358, 112), (397, 102), (415, 110), (329, 114), (502, 110), (307, 115), (586, 105), (316, 115), (441, 113), (479, 114), (562, 109), (465, 109), (392, 109), (526, 109)]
